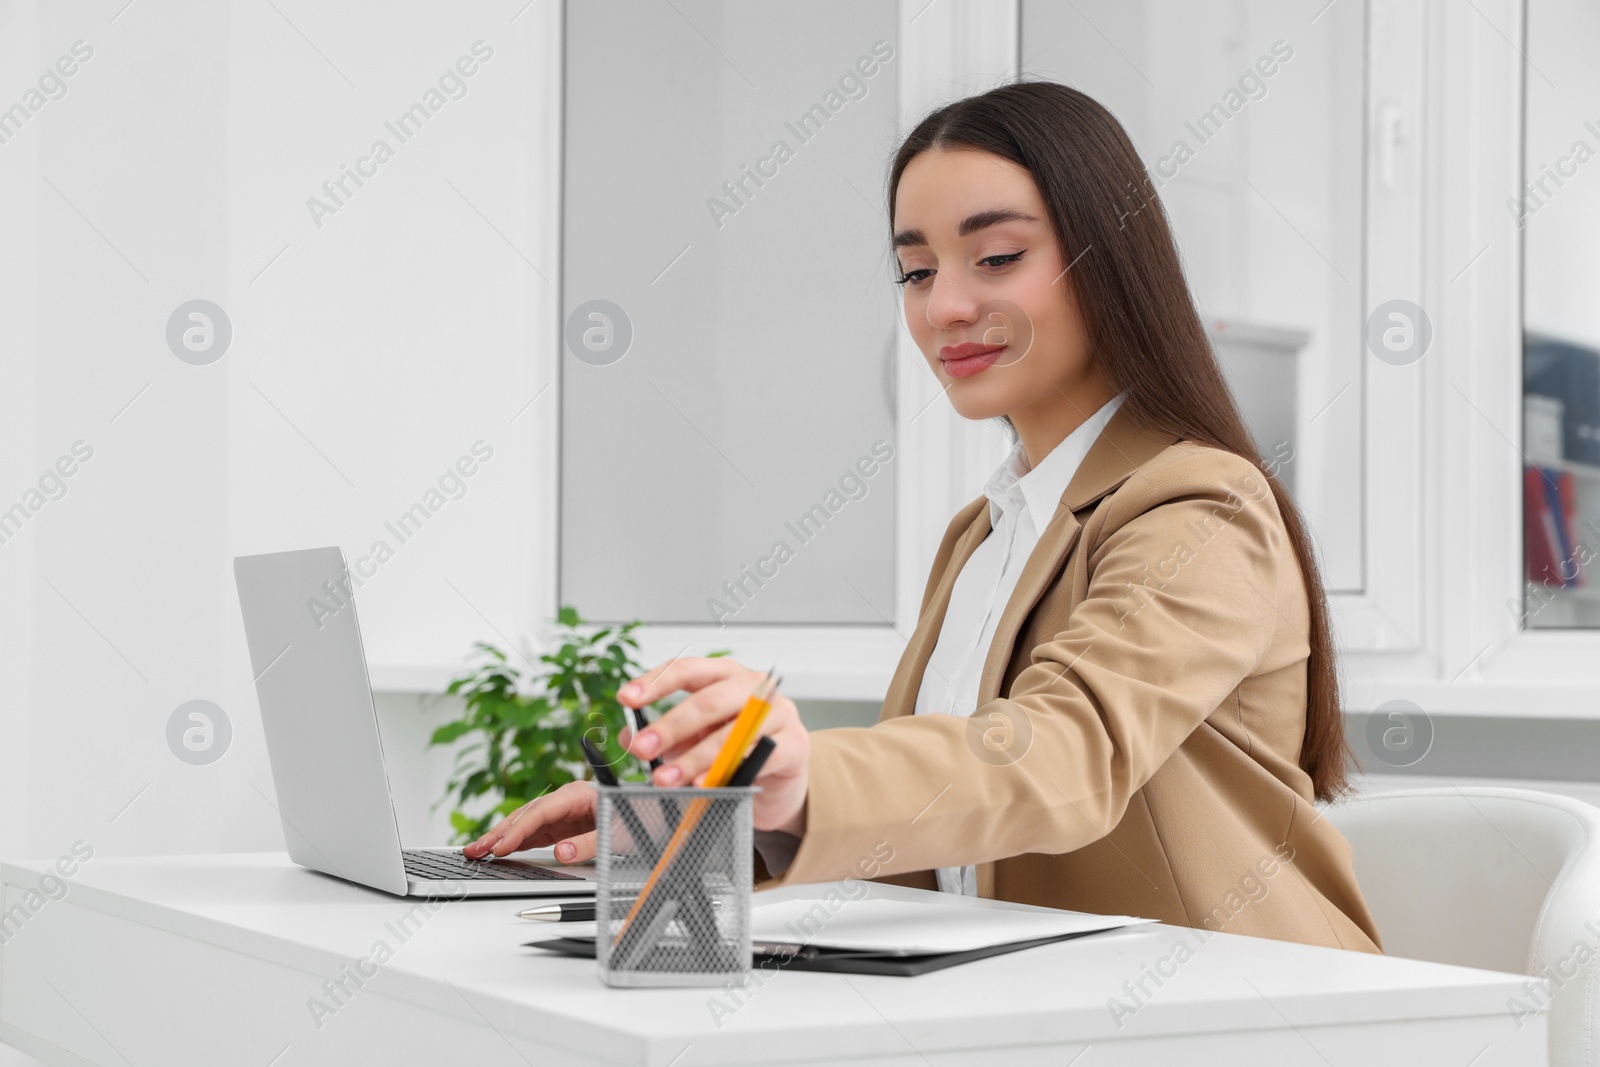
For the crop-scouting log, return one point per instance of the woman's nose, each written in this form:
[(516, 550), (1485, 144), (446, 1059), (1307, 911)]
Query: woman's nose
[(950, 304)]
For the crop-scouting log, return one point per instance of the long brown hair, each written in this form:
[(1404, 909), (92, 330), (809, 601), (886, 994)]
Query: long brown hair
[(1144, 332)]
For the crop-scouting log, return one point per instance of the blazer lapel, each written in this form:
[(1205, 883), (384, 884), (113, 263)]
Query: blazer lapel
[(1115, 455), (901, 697)]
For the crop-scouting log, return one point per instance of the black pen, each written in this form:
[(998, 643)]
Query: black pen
[(580, 911), (746, 774), (597, 763)]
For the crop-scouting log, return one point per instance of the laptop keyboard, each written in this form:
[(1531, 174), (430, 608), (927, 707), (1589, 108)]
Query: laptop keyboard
[(443, 865)]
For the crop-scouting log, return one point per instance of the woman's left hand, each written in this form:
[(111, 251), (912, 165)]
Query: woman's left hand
[(688, 737)]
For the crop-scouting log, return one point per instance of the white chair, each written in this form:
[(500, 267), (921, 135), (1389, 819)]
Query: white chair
[(1505, 879)]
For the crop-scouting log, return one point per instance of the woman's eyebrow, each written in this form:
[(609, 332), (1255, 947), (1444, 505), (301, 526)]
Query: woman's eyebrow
[(971, 224)]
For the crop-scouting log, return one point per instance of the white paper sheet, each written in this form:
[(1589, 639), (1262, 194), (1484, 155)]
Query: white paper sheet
[(915, 927)]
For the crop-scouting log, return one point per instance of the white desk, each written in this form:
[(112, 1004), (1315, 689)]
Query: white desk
[(213, 960)]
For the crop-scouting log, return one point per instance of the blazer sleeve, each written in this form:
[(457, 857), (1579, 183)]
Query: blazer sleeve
[(1180, 607)]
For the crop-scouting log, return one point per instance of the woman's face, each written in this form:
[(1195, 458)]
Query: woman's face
[(987, 296)]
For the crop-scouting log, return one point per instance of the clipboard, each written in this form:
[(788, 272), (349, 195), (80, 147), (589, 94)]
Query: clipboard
[(842, 961)]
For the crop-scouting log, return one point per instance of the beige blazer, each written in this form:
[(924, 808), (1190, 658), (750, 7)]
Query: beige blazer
[(1135, 748)]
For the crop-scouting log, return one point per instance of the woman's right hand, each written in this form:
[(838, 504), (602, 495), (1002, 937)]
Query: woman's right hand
[(564, 818)]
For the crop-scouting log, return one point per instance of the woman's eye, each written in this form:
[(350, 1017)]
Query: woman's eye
[(995, 262), (1000, 261)]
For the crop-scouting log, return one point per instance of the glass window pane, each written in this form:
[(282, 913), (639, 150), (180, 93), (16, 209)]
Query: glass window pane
[(1559, 215), (1248, 115), (724, 170)]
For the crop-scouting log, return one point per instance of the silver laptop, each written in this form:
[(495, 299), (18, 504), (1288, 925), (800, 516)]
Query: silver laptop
[(327, 758)]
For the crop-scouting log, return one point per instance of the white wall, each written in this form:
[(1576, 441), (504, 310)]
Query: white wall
[(367, 355), (19, 186)]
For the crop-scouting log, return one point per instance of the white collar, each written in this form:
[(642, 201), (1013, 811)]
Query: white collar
[(1040, 489)]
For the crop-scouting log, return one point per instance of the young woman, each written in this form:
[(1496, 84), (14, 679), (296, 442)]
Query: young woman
[(1121, 695)]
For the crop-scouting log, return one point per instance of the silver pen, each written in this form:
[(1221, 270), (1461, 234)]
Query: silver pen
[(578, 911)]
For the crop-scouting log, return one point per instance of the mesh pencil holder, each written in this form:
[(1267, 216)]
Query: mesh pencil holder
[(672, 903)]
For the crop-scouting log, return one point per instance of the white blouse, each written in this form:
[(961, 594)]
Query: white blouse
[(1021, 504)]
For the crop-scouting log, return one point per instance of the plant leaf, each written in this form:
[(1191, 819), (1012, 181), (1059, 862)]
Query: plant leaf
[(449, 732)]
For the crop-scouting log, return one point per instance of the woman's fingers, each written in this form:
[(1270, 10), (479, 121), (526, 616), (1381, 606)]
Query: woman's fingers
[(687, 673), (688, 764), (476, 849), (579, 848), (543, 821), (704, 711)]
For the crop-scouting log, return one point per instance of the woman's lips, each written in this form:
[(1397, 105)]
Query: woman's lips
[(959, 365)]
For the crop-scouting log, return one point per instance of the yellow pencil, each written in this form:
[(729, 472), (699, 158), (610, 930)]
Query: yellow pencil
[(744, 729)]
